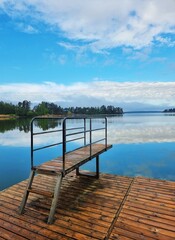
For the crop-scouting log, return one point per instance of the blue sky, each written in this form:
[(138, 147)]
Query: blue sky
[(88, 53)]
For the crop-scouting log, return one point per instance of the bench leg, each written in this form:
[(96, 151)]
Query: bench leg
[(90, 175), (55, 199)]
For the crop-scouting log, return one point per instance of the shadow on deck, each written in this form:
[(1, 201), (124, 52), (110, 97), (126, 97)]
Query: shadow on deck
[(111, 207)]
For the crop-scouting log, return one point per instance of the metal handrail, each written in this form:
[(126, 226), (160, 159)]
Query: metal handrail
[(51, 145), (38, 133), (53, 131), (65, 134)]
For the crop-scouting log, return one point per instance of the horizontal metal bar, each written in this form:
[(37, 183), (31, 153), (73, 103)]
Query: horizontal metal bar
[(43, 118), (71, 140), (85, 131), (68, 129), (96, 129), (75, 133), (38, 133), (100, 140), (86, 117), (51, 145)]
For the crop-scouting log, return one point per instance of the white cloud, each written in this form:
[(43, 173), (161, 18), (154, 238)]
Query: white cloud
[(93, 93), (102, 24)]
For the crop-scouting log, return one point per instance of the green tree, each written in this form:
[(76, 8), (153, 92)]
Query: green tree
[(41, 109), (7, 108), (23, 108)]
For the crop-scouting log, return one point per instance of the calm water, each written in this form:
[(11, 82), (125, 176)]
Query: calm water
[(143, 145)]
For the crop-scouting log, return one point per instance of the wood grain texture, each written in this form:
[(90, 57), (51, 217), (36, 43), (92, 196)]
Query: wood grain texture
[(111, 207)]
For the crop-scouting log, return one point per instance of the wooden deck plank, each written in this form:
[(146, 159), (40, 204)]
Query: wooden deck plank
[(111, 207), (32, 224), (75, 158), (148, 212)]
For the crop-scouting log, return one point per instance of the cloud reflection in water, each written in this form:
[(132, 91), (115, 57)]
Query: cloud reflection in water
[(121, 130)]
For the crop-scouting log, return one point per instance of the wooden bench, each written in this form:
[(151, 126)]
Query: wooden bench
[(91, 134)]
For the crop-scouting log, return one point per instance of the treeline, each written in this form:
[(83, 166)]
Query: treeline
[(44, 108), (21, 109), (169, 110)]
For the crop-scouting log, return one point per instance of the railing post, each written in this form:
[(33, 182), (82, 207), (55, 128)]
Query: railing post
[(31, 139), (90, 126), (84, 131), (64, 144), (106, 131)]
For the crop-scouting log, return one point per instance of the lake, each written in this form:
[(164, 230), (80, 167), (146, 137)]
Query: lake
[(143, 145)]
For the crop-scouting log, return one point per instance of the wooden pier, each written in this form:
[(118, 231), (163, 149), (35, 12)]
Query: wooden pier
[(111, 207), (83, 207)]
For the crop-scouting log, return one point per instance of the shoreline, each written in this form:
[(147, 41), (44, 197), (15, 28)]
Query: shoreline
[(7, 117)]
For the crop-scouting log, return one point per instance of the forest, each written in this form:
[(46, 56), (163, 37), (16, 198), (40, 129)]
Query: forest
[(170, 110), (24, 109)]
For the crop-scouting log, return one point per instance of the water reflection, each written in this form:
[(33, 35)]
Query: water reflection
[(16, 133), (9, 125), (23, 124), (46, 124), (142, 145), (142, 129), (141, 134), (121, 130)]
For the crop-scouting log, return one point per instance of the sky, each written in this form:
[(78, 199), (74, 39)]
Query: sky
[(88, 53)]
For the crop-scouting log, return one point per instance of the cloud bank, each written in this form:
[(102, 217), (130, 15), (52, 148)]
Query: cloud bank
[(146, 95), (99, 25)]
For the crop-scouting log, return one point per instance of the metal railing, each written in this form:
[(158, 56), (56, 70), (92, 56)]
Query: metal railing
[(85, 133)]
